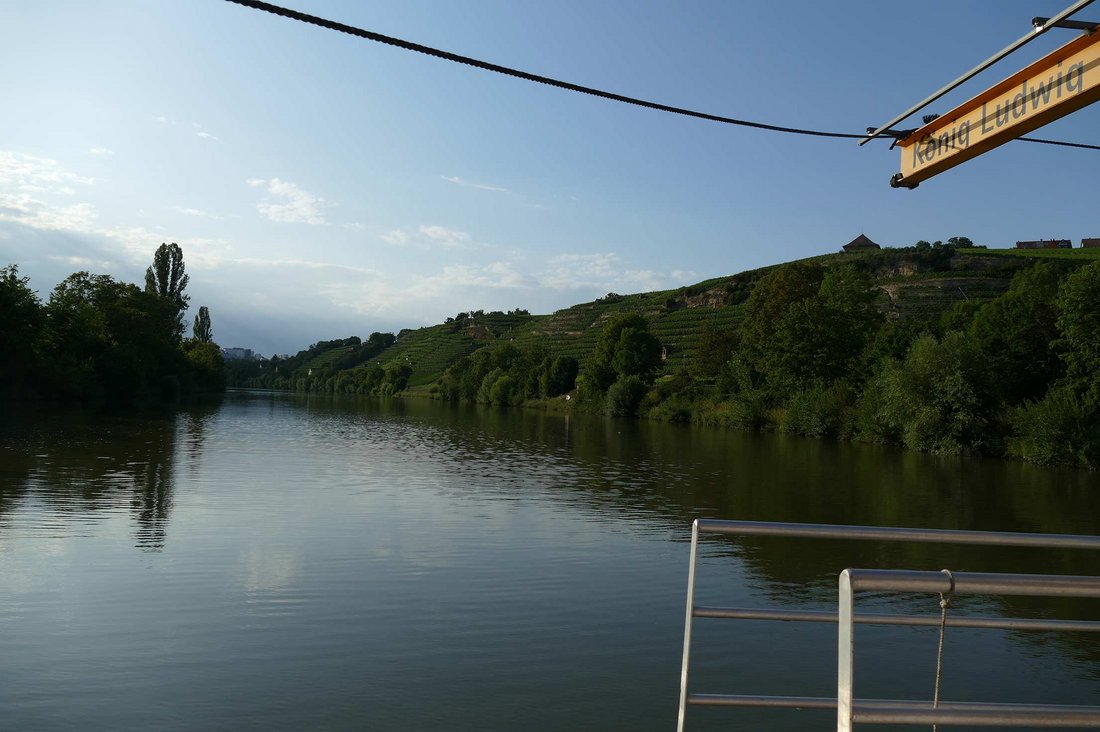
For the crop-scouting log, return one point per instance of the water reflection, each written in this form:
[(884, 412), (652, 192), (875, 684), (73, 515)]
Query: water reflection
[(310, 562), (81, 467)]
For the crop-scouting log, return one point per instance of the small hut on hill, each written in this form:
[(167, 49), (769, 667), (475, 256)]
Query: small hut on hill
[(859, 244)]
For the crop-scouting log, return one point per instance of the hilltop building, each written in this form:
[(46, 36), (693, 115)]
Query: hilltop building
[(1045, 244), (1090, 243), (859, 244)]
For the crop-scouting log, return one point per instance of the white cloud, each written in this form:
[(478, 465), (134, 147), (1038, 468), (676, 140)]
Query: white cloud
[(482, 186), (444, 236), (395, 237), (294, 204), (164, 120), (102, 152), (604, 271), (22, 209), (34, 173), (208, 136)]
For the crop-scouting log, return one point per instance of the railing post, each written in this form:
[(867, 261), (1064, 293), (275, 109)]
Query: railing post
[(687, 625), (844, 655)]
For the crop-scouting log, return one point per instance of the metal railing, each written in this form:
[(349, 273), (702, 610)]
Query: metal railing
[(850, 710)]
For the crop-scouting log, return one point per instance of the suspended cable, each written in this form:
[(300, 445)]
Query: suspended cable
[(448, 56), (1058, 142), (557, 83)]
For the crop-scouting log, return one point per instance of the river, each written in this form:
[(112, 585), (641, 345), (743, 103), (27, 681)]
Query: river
[(285, 562)]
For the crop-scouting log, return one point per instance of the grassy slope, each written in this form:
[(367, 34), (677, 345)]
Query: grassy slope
[(678, 317)]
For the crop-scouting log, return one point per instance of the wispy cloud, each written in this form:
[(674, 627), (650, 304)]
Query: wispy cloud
[(198, 212), (469, 184), (164, 120), (604, 271), (101, 152), (445, 237), (428, 237), (292, 205), (207, 136), (85, 263)]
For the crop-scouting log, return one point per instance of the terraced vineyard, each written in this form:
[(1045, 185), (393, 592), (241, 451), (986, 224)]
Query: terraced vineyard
[(429, 351), (325, 358), (915, 285)]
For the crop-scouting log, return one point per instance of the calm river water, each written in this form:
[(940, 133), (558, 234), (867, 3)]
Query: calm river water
[(292, 563)]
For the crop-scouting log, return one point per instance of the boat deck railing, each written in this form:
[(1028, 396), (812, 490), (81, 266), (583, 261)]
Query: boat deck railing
[(850, 710)]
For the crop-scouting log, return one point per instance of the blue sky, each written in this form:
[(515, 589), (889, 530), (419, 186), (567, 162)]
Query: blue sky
[(324, 186)]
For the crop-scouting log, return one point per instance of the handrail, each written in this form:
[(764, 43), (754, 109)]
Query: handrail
[(891, 711), (850, 710)]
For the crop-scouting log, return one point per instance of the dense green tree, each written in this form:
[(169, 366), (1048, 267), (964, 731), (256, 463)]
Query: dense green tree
[(625, 348), (201, 327), (1061, 428), (806, 328), (716, 346), (933, 400), (625, 395), (207, 364), (167, 279), (21, 320), (1079, 325), (560, 377), (960, 242), (1014, 334)]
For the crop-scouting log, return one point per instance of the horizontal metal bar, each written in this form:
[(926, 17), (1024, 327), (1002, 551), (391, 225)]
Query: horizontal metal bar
[(897, 711), (974, 583), (750, 700), (975, 713), (895, 533), (953, 621)]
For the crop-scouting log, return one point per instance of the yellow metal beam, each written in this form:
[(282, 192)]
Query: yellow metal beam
[(1061, 82)]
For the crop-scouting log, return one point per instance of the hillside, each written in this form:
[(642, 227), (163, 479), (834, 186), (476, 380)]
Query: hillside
[(913, 285)]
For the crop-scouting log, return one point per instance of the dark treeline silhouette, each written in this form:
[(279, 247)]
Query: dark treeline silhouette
[(96, 338)]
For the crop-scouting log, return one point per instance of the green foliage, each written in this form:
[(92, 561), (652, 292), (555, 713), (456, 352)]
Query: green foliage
[(1013, 336), (99, 339), (819, 411), (625, 348), (625, 395), (207, 365), (1061, 428), (200, 329), (21, 321), (166, 278), (1079, 325), (716, 346), (932, 400), (806, 327), (504, 392), (560, 377)]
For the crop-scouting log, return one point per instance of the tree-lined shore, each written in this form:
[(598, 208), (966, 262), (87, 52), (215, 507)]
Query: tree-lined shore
[(819, 348), (98, 339)]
